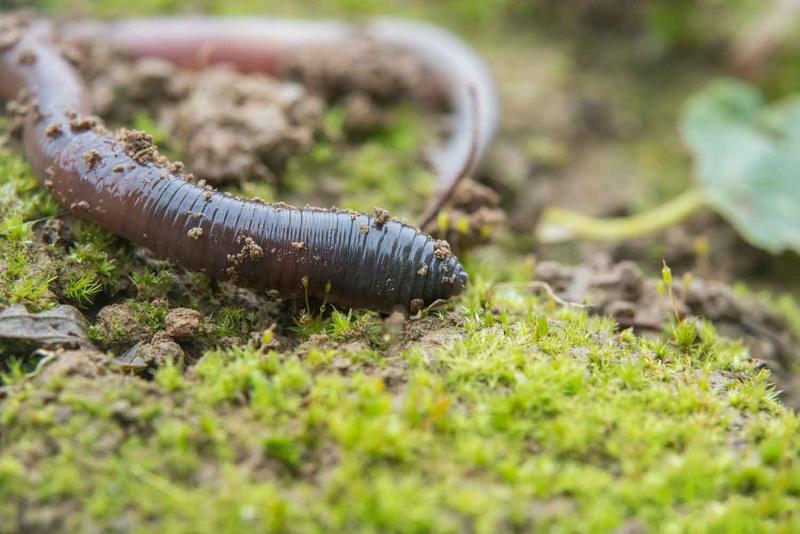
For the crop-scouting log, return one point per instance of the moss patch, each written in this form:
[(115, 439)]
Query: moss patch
[(526, 418)]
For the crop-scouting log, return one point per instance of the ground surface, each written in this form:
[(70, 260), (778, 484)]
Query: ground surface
[(195, 406)]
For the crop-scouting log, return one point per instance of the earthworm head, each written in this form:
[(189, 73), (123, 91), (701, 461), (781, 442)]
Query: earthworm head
[(459, 278), (462, 278)]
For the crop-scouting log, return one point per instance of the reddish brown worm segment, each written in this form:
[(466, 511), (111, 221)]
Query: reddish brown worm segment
[(347, 258)]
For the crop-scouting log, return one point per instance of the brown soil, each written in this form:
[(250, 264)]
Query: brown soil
[(231, 126)]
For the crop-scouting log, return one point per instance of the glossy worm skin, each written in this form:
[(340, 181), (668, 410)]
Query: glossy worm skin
[(260, 44), (347, 258)]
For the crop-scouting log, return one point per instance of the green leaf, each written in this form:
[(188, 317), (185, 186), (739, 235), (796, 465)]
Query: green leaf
[(747, 155)]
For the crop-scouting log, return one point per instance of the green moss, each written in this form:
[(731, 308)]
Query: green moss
[(233, 321), (386, 169), (535, 417), (22, 203), (36, 273), (131, 321)]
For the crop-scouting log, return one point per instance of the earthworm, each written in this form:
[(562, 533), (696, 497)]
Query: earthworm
[(120, 182), (267, 44)]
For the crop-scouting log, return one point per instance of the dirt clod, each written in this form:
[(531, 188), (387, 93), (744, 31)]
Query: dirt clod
[(250, 251), (381, 217), (441, 250), (53, 130), (382, 73), (82, 124), (74, 363), (416, 305), (12, 26), (160, 350), (91, 158), (183, 324), (120, 328)]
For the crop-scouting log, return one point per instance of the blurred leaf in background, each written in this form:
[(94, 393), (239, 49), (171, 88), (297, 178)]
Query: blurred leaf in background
[(747, 155)]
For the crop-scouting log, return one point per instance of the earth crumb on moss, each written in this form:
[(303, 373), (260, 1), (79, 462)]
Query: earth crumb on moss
[(183, 323)]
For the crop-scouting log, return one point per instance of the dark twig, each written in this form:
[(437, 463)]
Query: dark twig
[(445, 194)]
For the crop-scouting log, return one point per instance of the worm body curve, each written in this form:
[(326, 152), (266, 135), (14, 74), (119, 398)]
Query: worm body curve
[(261, 44), (121, 183)]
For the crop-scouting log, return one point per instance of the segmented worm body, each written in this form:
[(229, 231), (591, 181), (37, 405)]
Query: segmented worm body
[(120, 182)]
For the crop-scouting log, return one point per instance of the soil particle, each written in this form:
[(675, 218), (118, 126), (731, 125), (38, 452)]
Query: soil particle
[(18, 109), (81, 205), (120, 87), (121, 328), (82, 124), (422, 271), (471, 196), (243, 126), (250, 251), (53, 231), (11, 27), (160, 350), (53, 130), (195, 233), (139, 146), (384, 74), (473, 211), (135, 141), (441, 250), (87, 364), (298, 245), (184, 324), (416, 305), (381, 218), (91, 158)]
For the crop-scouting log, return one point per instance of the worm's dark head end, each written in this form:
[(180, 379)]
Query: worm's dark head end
[(460, 281)]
